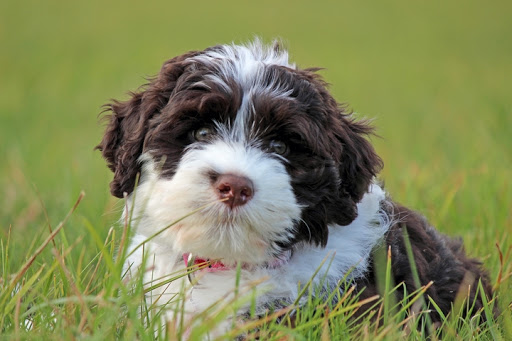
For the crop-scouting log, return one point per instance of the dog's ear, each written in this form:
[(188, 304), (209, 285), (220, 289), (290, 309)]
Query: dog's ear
[(358, 163), (128, 123)]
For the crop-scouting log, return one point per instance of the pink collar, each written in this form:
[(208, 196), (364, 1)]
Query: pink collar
[(203, 264), (216, 265)]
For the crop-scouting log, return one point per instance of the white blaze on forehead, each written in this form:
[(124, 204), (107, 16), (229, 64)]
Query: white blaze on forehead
[(243, 63), (245, 66)]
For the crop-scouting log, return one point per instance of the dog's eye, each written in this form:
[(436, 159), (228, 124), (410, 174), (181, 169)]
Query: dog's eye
[(278, 147), (203, 134)]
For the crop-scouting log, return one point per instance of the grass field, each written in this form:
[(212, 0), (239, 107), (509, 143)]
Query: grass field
[(436, 76)]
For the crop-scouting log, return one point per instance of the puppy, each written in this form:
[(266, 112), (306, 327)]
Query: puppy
[(248, 164)]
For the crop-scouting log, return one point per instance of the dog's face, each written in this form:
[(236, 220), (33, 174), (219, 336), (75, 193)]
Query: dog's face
[(258, 144)]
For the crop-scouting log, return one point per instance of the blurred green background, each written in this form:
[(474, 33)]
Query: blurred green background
[(435, 75)]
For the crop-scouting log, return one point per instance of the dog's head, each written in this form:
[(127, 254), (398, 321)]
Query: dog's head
[(242, 126)]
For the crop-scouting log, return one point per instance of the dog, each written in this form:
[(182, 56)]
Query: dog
[(252, 172)]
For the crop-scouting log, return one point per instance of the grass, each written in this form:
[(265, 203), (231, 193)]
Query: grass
[(434, 75), (68, 299)]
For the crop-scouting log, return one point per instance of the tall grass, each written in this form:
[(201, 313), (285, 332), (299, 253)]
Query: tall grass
[(434, 75), (69, 298)]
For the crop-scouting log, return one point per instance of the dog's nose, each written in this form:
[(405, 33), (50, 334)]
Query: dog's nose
[(234, 189)]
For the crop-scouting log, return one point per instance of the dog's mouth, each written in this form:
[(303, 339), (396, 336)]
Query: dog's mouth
[(195, 264)]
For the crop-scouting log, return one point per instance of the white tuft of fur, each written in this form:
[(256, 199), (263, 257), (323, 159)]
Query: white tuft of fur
[(243, 63)]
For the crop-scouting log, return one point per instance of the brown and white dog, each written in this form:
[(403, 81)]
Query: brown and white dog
[(281, 178)]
